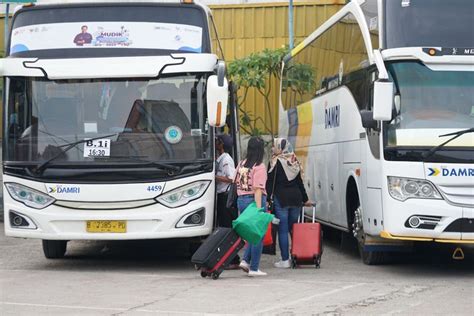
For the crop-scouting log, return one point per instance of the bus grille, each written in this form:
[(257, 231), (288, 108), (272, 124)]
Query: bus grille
[(459, 195)]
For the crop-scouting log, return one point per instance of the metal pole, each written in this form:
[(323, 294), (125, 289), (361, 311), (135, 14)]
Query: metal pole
[(5, 39), (290, 24)]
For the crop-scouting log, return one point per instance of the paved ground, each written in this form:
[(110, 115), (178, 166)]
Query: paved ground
[(157, 278)]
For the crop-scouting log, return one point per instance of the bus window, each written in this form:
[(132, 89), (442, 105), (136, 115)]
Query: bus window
[(323, 64)]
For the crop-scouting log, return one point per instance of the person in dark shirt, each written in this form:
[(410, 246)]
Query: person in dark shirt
[(83, 37), (286, 191)]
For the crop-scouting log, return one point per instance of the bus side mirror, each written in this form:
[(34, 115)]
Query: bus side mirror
[(383, 100), (217, 99)]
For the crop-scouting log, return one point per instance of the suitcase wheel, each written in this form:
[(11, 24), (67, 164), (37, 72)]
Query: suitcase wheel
[(203, 274), (293, 263), (317, 262), (215, 275)]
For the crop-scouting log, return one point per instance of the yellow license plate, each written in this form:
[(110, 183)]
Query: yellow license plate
[(106, 226)]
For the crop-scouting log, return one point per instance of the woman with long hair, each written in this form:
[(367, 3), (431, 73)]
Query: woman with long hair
[(287, 193), (251, 179)]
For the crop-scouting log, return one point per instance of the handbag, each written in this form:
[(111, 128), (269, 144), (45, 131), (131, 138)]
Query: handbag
[(231, 196), (271, 205), (232, 191), (252, 224)]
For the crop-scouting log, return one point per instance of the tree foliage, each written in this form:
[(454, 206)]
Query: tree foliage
[(258, 71)]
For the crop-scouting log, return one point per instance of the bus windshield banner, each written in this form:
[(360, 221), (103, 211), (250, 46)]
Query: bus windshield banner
[(138, 35)]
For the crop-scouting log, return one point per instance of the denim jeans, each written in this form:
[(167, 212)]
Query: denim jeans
[(287, 216), (252, 253)]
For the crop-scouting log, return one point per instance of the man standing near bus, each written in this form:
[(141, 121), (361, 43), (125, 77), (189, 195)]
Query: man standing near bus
[(225, 170)]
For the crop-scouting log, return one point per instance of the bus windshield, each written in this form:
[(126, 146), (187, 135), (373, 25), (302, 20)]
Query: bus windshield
[(161, 120), (429, 23), (429, 104)]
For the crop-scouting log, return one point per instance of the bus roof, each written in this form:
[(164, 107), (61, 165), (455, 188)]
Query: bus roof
[(407, 23), (95, 2)]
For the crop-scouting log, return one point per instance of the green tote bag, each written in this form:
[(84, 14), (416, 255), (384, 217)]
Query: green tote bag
[(252, 224)]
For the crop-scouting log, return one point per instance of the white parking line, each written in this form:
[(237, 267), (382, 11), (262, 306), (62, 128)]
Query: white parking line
[(183, 276), (163, 312), (106, 309), (308, 298), (65, 306), (273, 308), (173, 275)]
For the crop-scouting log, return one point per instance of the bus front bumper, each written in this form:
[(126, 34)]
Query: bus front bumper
[(428, 220), (150, 222)]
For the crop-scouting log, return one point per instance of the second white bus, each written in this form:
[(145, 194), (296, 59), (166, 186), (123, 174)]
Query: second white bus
[(384, 126)]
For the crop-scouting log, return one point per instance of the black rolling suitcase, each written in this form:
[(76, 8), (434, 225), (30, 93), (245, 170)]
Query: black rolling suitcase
[(217, 252)]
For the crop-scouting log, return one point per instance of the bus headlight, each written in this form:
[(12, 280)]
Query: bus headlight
[(28, 196), (403, 189), (183, 195)]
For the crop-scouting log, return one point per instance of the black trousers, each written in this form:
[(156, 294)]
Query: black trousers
[(225, 216)]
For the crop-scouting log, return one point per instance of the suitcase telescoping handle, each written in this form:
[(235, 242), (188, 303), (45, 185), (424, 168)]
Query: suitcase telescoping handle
[(314, 213)]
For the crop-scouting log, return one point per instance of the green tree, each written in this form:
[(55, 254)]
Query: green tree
[(257, 71)]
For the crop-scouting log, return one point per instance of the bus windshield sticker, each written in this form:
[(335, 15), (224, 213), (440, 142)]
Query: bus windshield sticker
[(137, 35), (90, 127), (97, 148), (173, 134), (196, 132)]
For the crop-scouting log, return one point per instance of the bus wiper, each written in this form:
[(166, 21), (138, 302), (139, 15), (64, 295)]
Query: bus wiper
[(197, 166), (41, 167), (171, 169), (455, 134)]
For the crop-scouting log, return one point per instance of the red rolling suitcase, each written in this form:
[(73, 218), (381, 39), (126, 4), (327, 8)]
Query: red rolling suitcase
[(307, 242)]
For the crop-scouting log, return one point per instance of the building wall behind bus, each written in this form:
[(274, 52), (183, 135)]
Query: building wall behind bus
[(252, 27)]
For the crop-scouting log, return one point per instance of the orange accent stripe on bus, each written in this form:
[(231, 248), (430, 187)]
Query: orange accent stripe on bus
[(385, 234), (218, 115), (455, 241)]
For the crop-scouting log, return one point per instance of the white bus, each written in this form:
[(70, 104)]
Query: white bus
[(110, 111), (379, 103)]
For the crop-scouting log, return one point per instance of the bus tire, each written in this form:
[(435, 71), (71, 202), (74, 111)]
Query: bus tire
[(357, 228), (368, 257), (54, 249)]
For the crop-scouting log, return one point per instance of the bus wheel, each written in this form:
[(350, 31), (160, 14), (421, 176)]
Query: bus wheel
[(54, 249), (368, 257)]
